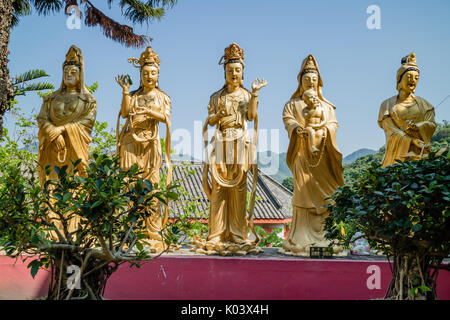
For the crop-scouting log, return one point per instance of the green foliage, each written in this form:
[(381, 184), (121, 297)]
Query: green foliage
[(441, 137), (288, 183), (354, 169), (269, 240), (21, 145), (111, 204), (405, 206), (93, 87), (103, 141)]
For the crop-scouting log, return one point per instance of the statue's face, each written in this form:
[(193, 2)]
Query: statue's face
[(409, 81), (233, 73), (71, 76), (311, 98), (149, 76), (310, 80)]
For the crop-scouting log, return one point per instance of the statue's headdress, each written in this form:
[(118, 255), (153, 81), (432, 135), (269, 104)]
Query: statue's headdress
[(309, 66), (73, 57), (408, 64), (148, 58), (233, 53)]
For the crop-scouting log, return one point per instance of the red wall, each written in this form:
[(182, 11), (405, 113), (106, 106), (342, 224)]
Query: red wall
[(209, 278)]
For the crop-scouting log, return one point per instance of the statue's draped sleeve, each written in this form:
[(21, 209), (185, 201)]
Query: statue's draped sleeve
[(291, 123)]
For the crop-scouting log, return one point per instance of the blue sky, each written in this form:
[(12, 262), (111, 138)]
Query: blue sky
[(358, 65)]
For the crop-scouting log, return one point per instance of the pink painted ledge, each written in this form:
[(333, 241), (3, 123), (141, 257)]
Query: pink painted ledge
[(175, 277)]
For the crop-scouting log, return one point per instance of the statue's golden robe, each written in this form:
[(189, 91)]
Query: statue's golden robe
[(231, 157), (78, 119), (314, 179), (139, 142), (398, 142)]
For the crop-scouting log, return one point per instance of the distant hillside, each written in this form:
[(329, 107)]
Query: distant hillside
[(267, 163), (357, 154)]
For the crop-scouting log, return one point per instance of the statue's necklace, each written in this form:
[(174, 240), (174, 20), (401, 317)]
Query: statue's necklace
[(146, 100)]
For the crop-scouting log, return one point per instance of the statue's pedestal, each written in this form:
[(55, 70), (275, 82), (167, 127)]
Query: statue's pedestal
[(183, 275)]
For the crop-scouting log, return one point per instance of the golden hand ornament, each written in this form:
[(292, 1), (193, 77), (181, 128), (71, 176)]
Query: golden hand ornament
[(123, 81), (258, 84)]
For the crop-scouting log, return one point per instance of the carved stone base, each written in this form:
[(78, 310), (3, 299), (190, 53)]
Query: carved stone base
[(226, 248), (156, 246)]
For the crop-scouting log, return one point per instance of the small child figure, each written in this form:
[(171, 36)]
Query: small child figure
[(315, 122)]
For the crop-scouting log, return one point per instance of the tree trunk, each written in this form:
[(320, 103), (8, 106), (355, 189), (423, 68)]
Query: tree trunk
[(6, 90), (412, 278), (69, 282)]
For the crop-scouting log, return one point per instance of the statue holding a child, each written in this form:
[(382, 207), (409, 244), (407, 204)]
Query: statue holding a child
[(314, 159)]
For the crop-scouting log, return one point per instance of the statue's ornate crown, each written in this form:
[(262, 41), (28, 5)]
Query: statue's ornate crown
[(410, 59), (310, 64), (232, 52), (73, 57), (148, 57), (408, 64)]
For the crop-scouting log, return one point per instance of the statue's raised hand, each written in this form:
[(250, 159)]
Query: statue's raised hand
[(258, 84), (124, 82)]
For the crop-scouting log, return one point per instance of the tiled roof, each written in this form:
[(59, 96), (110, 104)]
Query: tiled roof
[(273, 200)]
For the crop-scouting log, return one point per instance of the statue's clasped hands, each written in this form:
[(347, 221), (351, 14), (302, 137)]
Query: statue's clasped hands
[(411, 126), (301, 132)]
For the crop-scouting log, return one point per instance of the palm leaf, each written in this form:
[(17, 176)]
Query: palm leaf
[(20, 90), (29, 75), (20, 8), (46, 7), (138, 12)]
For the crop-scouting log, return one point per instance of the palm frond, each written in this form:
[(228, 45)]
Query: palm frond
[(69, 3), (20, 8), (29, 75), (20, 90), (46, 7), (162, 3), (111, 29), (138, 12)]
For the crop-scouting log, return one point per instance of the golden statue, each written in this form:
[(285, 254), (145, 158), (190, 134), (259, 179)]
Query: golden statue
[(407, 120), (139, 140), (313, 158), (65, 124), (232, 154)]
